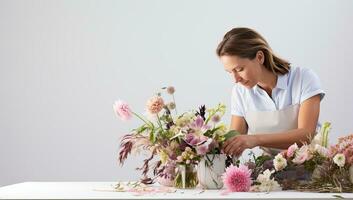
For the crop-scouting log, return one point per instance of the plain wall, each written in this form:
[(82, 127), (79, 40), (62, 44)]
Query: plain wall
[(64, 63)]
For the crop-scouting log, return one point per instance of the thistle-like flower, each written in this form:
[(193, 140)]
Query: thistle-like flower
[(170, 90)]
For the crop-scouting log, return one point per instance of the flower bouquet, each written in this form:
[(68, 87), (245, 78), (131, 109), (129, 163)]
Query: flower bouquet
[(311, 167), (180, 141)]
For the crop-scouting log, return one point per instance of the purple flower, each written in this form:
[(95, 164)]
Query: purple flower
[(199, 125), (193, 139), (204, 148)]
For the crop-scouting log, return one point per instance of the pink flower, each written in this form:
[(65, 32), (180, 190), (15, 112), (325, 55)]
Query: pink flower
[(199, 125), (291, 150), (155, 105), (348, 153), (302, 155), (194, 139), (204, 148), (122, 110), (237, 179)]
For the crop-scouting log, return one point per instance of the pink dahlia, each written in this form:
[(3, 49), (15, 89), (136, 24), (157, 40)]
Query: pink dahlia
[(155, 105), (237, 179), (122, 110)]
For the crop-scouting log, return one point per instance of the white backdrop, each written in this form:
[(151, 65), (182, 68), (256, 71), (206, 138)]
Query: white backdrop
[(63, 63)]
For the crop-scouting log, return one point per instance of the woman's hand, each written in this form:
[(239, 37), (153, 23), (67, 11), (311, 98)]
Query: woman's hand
[(237, 144)]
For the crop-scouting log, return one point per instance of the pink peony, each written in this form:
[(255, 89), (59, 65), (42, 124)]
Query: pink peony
[(291, 150), (237, 179), (122, 110), (155, 105)]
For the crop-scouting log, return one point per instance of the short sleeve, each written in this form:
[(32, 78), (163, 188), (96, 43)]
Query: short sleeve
[(311, 86), (237, 102)]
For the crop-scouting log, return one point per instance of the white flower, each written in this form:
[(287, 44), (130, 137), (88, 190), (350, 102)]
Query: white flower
[(321, 150), (279, 162), (317, 139), (266, 183), (339, 159), (265, 176)]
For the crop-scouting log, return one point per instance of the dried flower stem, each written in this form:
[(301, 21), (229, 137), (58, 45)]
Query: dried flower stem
[(176, 112)]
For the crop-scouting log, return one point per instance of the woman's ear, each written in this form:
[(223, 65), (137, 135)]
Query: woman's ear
[(260, 56)]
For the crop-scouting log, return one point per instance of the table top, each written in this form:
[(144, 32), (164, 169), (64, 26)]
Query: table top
[(105, 190)]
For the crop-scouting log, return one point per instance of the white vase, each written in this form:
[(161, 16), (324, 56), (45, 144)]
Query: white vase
[(210, 170), (351, 173)]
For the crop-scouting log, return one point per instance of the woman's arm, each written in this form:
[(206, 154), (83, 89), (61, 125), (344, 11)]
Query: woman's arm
[(239, 124), (307, 121)]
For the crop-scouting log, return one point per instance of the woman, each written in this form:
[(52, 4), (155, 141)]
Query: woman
[(273, 104)]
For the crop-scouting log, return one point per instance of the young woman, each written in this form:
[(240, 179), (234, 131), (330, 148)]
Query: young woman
[(273, 104)]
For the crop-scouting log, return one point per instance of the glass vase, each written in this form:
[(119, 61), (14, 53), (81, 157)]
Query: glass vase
[(186, 176)]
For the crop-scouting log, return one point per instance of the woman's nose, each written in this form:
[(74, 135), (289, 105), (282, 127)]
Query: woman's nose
[(237, 78)]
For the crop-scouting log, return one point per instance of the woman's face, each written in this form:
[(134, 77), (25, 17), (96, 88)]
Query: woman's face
[(244, 71)]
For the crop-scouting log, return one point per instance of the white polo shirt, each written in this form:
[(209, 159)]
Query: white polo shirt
[(295, 87)]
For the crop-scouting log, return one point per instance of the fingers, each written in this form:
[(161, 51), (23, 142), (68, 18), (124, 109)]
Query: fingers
[(231, 145), (234, 146), (236, 150)]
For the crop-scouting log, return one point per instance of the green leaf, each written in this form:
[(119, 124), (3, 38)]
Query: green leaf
[(153, 136), (261, 160), (231, 134), (141, 129)]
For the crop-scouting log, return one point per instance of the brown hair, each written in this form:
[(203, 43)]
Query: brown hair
[(245, 43)]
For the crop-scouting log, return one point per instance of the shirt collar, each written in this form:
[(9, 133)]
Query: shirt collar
[(282, 82)]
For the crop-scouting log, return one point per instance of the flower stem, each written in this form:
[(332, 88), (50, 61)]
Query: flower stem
[(159, 122), (176, 112), (148, 123)]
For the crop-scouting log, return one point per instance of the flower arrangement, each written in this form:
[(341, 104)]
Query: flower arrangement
[(177, 144), (310, 167), (180, 141)]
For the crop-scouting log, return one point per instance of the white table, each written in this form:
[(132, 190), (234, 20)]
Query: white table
[(101, 190)]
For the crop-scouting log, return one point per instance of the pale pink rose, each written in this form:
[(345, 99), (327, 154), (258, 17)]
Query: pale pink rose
[(155, 105), (122, 110), (302, 155), (300, 159), (291, 150)]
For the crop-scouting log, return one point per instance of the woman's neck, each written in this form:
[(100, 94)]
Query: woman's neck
[(267, 81)]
